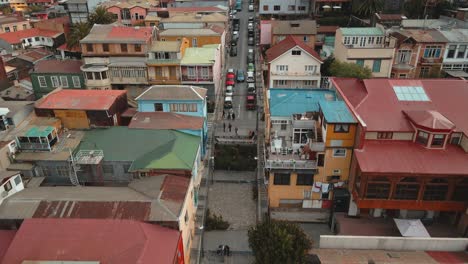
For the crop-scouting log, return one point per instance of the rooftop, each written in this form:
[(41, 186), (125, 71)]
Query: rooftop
[(199, 55), (93, 239), (58, 66), (294, 27), (362, 31), (288, 43), (191, 32), (6, 19), (442, 22), (377, 105), (455, 34), (336, 112), (146, 199), (419, 35), (18, 36), (189, 9), (80, 99), (285, 102), (131, 3), (35, 55), (168, 46), (173, 92), (165, 120), (114, 33), (193, 17), (265, 32), (146, 148)]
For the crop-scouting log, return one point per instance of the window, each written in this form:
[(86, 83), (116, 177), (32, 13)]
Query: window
[(403, 56), (55, 81), (422, 137), (192, 107), (126, 168), (432, 52), (436, 190), (451, 51), (455, 139), (370, 40), (194, 42), (158, 107), (384, 135), (341, 128), (7, 29), (123, 48), (63, 171), (89, 48), (17, 180), (36, 38), (104, 75), (107, 169), (305, 179), (355, 40), (378, 188), (362, 42), (191, 72), (46, 171), (402, 76), (310, 68), (310, 83), (15, 28), (42, 81), (306, 38), (105, 47), (284, 126), (89, 75), (136, 16), (205, 72), (29, 39), (347, 40), (360, 63), (461, 51), (302, 8), (8, 186), (277, 8), (64, 81), (438, 140), (424, 72), (376, 65), (410, 93), (340, 152), (76, 81), (320, 159), (301, 135), (291, 8), (296, 52), (282, 179), (265, 7), (407, 189), (282, 68), (137, 47)]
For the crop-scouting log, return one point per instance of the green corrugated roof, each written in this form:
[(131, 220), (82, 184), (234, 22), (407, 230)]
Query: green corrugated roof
[(336, 112), (204, 55), (329, 41), (363, 31), (148, 149), (42, 131)]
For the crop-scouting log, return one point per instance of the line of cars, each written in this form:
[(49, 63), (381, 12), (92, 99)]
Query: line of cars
[(233, 76)]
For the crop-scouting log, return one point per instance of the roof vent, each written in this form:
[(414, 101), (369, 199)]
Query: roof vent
[(295, 25)]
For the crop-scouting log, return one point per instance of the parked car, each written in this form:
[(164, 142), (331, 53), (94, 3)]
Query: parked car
[(229, 91), (250, 26), (251, 19), (251, 88), (251, 41), (233, 12), (250, 77), (235, 27), (228, 102), (251, 102), (240, 76), (251, 8), (251, 34), (233, 51), (231, 71), (250, 67), (230, 79)]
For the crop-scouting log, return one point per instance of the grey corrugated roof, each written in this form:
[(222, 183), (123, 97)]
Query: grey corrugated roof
[(189, 32), (173, 92), (306, 27), (455, 34)]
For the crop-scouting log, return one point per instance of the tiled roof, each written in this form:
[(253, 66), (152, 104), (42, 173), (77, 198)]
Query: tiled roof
[(199, 55), (18, 36), (114, 33), (286, 44), (336, 112), (327, 29), (104, 241), (376, 104), (285, 102), (362, 31), (407, 157), (58, 66), (173, 92), (165, 120), (284, 27), (80, 99)]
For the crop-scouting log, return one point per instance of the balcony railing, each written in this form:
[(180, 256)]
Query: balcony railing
[(290, 73), (291, 164), (431, 60), (190, 78), (34, 146)]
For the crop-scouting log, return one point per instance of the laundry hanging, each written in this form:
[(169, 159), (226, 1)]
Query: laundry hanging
[(317, 187), (325, 187)]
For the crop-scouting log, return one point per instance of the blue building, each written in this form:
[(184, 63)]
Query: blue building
[(179, 107)]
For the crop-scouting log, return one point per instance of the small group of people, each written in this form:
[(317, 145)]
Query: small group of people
[(229, 126), (223, 250), (230, 114)]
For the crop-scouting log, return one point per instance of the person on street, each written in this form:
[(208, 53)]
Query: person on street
[(233, 116), (224, 126), (230, 126), (236, 130), (224, 114)]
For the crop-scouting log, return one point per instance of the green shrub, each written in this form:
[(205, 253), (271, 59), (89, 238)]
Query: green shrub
[(215, 222)]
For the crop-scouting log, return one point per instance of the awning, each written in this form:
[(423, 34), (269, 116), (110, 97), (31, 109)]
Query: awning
[(459, 73), (411, 228)]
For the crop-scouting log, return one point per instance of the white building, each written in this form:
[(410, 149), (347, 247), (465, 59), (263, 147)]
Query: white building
[(455, 61), (293, 64), (284, 7)]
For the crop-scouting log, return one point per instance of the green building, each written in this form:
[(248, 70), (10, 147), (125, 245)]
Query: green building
[(51, 74)]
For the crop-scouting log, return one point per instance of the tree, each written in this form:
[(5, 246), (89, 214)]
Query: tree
[(101, 16), (325, 68), (6, 9), (350, 70), (278, 242), (78, 32), (367, 8), (414, 8)]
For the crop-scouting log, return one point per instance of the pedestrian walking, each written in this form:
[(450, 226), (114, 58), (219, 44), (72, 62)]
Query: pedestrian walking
[(236, 130), (233, 116), (224, 126), (224, 114), (230, 126)]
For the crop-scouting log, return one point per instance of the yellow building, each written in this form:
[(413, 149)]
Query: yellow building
[(309, 153), (13, 23), (164, 61), (197, 37)]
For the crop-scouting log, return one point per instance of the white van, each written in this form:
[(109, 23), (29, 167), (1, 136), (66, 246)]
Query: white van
[(229, 91), (250, 77)]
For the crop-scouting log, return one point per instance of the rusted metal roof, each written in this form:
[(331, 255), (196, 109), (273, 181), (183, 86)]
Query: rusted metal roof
[(80, 99), (174, 188), (165, 120)]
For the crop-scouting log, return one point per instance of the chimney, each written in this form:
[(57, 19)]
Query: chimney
[(3, 75)]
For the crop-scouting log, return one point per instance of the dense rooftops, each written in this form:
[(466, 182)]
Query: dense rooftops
[(118, 34)]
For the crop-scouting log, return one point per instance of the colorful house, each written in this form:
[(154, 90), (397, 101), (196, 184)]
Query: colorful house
[(410, 158), (13, 23), (304, 30), (130, 12), (198, 37), (51, 74), (455, 62), (30, 38), (309, 151)]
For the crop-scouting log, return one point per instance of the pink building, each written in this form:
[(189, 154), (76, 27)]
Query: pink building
[(130, 12)]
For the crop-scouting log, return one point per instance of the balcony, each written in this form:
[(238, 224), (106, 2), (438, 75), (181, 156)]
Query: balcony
[(163, 80), (303, 121), (201, 79), (291, 164), (431, 60), (289, 73)]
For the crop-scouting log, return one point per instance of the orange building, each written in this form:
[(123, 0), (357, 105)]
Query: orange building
[(197, 37)]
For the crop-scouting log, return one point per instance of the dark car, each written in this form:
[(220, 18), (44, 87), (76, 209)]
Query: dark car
[(235, 27), (250, 58), (251, 41), (251, 19), (251, 34), (233, 51)]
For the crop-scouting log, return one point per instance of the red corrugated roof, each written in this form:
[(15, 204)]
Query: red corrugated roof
[(16, 37), (449, 257), (286, 44), (65, 48), (375, 102), (106, 241), (174, 188), (407, 157), (430, 119), (165, 120), (142, 33), (327, 29), (6, 237), (58, 66), (80, 99)]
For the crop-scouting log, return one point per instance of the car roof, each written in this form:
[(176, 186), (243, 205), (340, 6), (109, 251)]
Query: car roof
[(228, 98), (251, 84)]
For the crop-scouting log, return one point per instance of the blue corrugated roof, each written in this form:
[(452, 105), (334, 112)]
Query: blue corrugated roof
[(336, 112), (285, 102), (362, 31)]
